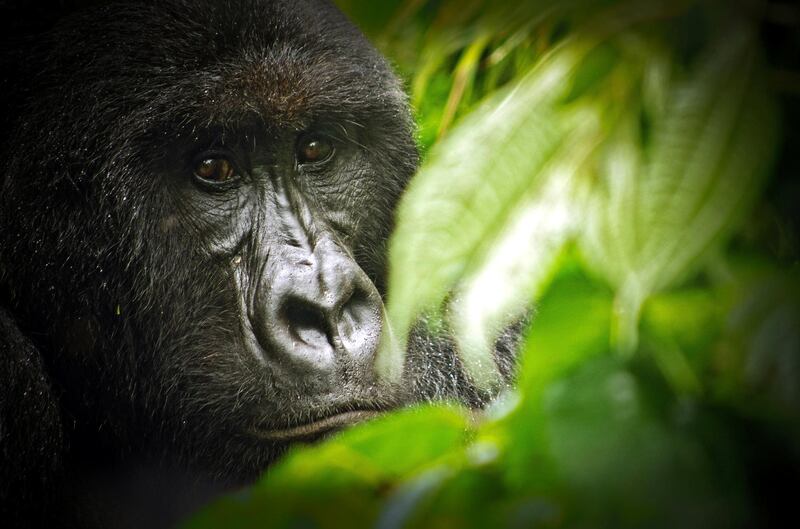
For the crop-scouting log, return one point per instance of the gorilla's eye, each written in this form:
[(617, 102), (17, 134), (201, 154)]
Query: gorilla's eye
[(314, 149), (215, 170)]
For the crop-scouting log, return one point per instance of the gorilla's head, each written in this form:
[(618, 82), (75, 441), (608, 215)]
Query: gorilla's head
[(196, 199)]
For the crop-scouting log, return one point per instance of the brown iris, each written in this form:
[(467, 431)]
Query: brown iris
[(314, 149), (217, 170)]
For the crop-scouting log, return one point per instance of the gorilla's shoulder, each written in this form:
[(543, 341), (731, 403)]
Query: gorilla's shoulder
[(31, 438)]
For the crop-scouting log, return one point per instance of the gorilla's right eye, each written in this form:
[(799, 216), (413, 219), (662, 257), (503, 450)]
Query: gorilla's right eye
[(215, 170)]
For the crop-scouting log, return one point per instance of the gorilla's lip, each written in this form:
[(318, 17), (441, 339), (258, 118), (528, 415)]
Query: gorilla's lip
[(319, 427)]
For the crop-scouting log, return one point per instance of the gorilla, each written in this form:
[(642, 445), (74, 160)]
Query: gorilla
[(195, 201)]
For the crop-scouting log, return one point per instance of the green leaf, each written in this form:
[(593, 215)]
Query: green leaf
[(477, 183), (424, 435), (370, 16), (678, 328), (658, 217), (619, 453), (571, 326), (314, 485)]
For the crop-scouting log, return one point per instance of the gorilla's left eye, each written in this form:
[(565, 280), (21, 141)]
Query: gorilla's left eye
[(314, 149), (215, 170)]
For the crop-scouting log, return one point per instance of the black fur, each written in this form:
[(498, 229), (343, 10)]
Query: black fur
[(127, 393)]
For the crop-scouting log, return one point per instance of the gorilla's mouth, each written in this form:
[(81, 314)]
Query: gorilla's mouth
[(317, 428)]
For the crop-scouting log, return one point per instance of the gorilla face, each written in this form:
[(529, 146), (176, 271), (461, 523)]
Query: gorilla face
[(203, 222), (196, 198)]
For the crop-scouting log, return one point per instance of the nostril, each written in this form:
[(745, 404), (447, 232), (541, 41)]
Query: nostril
[(359, 321), (352, 314), (306, 323)]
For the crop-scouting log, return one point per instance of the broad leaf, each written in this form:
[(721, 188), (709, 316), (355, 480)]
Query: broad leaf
[(476, 183), (660, 213)]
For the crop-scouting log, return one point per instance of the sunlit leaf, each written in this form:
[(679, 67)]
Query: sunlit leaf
[(471, 187), (423, 435), (524, 254)]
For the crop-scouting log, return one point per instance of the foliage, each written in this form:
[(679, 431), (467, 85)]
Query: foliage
[(601, 159)]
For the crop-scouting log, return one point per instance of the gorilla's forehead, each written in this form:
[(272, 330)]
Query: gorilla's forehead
[(282, 62), (286, 86), (312, 62)]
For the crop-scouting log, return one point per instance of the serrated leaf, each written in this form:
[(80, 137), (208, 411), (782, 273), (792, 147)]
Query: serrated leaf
[(523, 255), (470, 187), (710, 155)]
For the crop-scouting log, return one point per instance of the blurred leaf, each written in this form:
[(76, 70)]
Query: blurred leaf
[(571, 325), (401, 506), (761, 356), (423, 435), (598, 63), (711, 151), (342, 473), (463, 77), (370, 16), (678, 328), (620, 460), (464, 198), (527, 250)]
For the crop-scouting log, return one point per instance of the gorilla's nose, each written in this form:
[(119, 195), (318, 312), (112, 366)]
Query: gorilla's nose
[(322, 308)]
